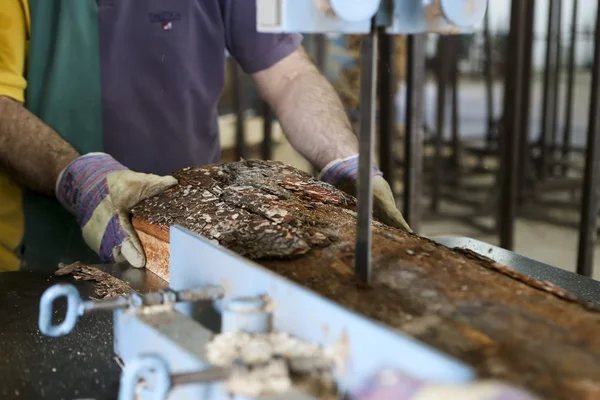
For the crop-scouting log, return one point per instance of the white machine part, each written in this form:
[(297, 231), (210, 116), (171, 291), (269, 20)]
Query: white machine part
[(354, 16)]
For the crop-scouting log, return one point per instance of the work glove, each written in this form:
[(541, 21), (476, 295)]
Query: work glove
[(343, 173), (99, 191), (396, 385)]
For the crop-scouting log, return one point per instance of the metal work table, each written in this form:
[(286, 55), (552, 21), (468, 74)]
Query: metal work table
[(82, 365), (33, 366)]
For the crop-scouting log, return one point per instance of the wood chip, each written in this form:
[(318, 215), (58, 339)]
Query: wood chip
[(106, 285)]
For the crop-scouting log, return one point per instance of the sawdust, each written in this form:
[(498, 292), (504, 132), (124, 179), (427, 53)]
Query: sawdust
[(271, 363), (272, 377), (107, 286)]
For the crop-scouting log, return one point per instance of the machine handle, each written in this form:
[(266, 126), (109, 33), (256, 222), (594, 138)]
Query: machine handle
[(74, 309), (155, 372)]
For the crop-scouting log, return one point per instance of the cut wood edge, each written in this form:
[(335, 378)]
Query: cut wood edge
[(155, 242)]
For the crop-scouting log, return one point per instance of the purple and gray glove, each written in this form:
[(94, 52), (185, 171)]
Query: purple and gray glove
[(100, 191), (343, 173)]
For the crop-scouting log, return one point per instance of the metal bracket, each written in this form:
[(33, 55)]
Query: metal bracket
[(245, 314), (76, 307), (155, 373)]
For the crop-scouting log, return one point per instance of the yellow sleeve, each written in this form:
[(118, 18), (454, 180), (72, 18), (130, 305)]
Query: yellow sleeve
[(14, 38)]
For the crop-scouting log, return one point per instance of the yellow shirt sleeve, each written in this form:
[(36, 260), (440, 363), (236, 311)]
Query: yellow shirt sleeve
[(14, 39)]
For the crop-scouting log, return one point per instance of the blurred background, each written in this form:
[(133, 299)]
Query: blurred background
[(470, 139)]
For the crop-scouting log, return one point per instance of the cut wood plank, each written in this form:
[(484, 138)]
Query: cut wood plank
[(506, 325)]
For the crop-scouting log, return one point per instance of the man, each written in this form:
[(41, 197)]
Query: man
[(91, 91)]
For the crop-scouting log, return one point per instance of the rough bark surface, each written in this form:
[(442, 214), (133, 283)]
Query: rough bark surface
[(107, 286), (506, 325)]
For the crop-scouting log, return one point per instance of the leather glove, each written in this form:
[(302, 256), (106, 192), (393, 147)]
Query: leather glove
[(343, 173), (99, 191), (396, 385)]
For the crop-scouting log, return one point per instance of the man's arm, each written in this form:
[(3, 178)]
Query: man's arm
[(315, 122), (309, 110), (31, 152)]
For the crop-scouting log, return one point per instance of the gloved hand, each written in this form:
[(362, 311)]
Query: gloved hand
[(99, 191), (343, 173), (396, 385)]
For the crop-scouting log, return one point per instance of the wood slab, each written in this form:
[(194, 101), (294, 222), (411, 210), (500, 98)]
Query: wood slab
[(506, 325)]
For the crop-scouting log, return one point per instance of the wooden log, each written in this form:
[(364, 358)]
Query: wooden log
[(504, 324)]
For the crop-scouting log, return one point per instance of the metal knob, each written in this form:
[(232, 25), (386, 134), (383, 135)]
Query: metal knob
[(246, 314), (349, 10)]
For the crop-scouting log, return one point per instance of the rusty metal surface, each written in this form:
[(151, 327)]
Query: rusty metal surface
[(413, 149), (443, 58), (550, 90), (505, 324), (509, 141), (591, 188), (525, 161), (568, 102), (387, 85)]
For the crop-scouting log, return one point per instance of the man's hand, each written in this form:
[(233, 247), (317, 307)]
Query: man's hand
[(99, 191), (315, 122), (343, 174)]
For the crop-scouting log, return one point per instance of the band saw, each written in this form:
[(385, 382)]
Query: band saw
[(163, 337)]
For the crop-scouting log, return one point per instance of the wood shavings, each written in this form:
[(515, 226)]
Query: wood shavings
[(270, 378), (107, 286), (269, 363)]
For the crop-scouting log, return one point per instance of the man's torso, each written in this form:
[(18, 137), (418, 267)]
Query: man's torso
[(139, 80)]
